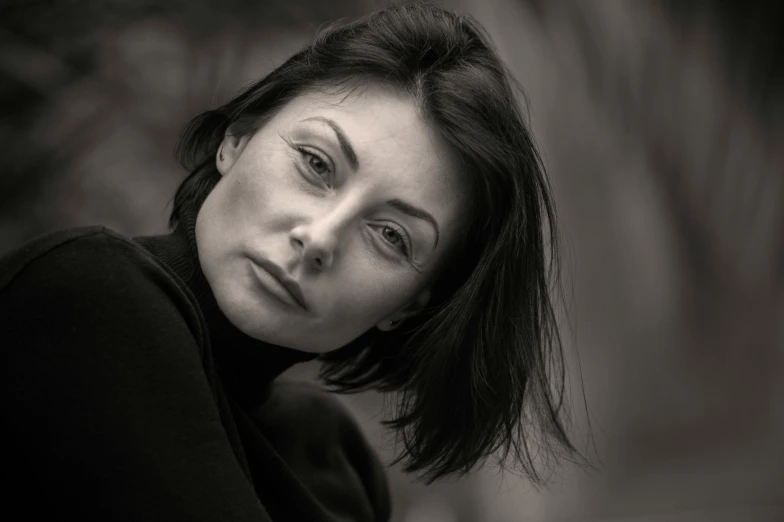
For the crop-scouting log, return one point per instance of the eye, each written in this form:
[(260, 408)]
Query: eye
[(391, 235), (397, 238), (317, 163)]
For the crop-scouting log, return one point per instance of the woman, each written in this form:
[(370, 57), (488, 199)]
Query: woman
[(376, 202)]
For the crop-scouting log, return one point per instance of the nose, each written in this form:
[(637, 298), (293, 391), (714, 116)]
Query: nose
[(316, 242)]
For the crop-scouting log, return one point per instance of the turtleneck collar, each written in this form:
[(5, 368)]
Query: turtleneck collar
[(245, 365)]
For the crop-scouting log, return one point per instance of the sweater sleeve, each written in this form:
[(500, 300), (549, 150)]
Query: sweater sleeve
[(109, 410)]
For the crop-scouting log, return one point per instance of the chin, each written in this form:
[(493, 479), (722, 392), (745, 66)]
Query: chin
[(248, 315)]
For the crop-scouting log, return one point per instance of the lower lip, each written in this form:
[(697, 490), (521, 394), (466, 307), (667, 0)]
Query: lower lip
[(273, 287)]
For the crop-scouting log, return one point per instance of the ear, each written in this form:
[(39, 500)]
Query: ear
[(229, 151), (396, 318)]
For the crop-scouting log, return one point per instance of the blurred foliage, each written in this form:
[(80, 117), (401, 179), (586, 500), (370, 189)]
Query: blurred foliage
[(752, 42)]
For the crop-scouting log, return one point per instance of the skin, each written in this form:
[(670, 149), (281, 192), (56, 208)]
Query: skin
[(289, 194)]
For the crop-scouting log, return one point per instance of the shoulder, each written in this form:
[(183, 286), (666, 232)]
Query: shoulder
[(301, 401), (92, 276), (292, 409), (76, 252), (324, 446), (12, 263)]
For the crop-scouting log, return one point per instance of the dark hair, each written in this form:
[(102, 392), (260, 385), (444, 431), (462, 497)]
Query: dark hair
[(481, 369)]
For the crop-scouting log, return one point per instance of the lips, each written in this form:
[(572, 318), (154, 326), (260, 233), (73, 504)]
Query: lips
[(291, 286)]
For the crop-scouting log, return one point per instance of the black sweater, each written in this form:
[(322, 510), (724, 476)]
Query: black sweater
[(131, 397)]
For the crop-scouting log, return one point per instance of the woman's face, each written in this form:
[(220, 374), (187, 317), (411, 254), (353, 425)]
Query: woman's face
[(330, 220)]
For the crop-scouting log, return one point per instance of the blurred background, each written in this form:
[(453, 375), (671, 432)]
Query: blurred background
[(662, 126)]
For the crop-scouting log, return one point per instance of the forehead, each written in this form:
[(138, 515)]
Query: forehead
[(399, 152), (380, 122)]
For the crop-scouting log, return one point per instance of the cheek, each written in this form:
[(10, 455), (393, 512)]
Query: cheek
[(259, 192), (367, 291)]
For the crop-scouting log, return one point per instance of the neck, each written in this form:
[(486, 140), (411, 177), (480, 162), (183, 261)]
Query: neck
[(245, 365)]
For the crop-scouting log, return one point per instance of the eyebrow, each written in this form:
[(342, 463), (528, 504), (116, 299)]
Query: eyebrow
[(345, 144), (416, 212)]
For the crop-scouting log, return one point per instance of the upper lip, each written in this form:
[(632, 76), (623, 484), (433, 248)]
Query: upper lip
[(288, 283)]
